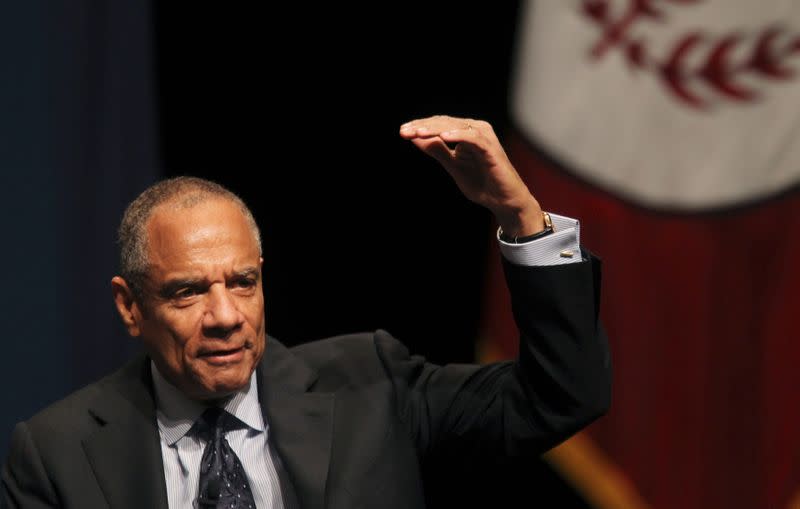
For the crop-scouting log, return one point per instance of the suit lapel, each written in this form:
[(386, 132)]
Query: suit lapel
[(125, 453), (300, 422)]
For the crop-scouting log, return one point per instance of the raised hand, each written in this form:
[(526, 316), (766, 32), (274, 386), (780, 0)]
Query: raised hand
[(480, 168)]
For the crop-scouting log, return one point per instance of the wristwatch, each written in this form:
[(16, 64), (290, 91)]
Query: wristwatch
[(548, 229)]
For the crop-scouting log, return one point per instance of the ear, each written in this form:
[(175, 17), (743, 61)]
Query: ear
[(127, 306)]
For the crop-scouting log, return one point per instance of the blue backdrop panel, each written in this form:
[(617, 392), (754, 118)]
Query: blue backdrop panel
[(77, 142)]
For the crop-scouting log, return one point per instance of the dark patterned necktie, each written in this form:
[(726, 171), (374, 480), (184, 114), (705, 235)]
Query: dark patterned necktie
[(223, 482)]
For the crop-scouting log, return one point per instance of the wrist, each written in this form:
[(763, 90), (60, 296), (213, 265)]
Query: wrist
[(511, 238), (523, 220)]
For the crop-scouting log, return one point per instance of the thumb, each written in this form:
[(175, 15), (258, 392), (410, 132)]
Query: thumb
[(436, 148)]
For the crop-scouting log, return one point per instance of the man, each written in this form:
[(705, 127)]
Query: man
[(218, 413)]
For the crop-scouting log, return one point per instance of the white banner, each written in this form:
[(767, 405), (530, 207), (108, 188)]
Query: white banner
[(684, 104)]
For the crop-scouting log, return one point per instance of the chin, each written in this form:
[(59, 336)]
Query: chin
[(225, 384), (219, 378)]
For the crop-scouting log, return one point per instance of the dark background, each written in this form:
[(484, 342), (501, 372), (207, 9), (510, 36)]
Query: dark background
[(295, 109), (361, 229)]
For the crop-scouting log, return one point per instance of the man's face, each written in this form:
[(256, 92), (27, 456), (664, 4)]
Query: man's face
[(202, 319)]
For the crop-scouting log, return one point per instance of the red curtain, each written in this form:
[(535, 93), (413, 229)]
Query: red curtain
[(701, 311)]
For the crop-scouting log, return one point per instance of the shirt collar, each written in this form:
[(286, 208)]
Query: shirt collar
[(176, 413)]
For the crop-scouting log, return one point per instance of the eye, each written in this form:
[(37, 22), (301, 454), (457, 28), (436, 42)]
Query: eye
[(244, 283), (184, 293)]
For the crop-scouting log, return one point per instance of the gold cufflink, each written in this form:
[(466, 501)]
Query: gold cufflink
[(567, 253)]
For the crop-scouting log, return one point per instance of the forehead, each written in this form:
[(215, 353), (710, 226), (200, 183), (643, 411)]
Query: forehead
[(211, 233)]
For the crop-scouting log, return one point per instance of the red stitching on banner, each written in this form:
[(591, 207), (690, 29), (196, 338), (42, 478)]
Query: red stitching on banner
[(766, 57)]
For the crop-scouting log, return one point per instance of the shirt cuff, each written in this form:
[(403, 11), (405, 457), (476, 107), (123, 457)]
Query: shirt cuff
[(560, 247)]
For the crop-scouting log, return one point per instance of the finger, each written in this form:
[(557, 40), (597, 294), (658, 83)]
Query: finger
[(427, 132), (470, 135), (436, 148), (433, 126), (408, 131)]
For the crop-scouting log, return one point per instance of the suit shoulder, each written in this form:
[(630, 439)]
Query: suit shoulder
[(358, 346), (70, 414), (352, 357), (55, 431)]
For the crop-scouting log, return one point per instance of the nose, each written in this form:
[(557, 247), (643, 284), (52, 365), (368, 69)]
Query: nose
[(222, 316)]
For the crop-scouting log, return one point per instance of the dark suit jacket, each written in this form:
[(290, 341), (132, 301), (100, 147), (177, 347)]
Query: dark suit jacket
[(354, 418)]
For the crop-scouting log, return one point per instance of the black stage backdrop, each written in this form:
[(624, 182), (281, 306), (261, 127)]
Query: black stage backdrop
[(361, 229), (295, 109)]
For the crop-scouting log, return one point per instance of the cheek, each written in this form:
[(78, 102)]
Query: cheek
[(175, 334), (254, 313), (253, 310)]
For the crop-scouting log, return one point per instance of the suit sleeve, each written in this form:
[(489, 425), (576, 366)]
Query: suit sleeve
[(25, 482), (559, 383)]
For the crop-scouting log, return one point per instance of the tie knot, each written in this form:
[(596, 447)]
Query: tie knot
[(213, 417), (213, 421)]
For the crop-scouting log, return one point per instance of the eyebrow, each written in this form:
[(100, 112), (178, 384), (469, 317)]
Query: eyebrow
[(247, 272)]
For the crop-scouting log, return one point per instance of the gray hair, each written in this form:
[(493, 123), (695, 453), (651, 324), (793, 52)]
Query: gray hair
[(184, 192)]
